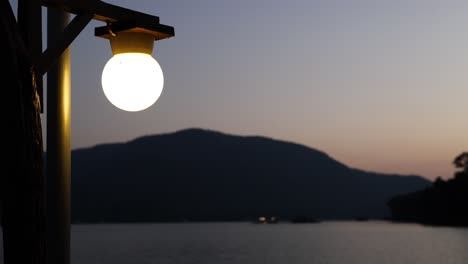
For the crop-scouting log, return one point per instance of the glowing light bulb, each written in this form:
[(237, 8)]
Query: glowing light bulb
[(132, 81)]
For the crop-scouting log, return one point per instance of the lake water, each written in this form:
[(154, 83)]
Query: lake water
[(282, 243)]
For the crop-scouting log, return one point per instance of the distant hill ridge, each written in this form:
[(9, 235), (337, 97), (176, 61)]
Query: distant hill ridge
[(204, 175)]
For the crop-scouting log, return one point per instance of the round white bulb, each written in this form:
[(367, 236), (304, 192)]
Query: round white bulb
[(132, 81)]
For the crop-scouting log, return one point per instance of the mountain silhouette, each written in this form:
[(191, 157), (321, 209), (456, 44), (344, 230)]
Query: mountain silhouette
[(203, 175)]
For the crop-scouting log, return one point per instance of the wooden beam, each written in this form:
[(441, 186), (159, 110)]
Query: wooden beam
[(102, 11), (85, 11), (53, 51)]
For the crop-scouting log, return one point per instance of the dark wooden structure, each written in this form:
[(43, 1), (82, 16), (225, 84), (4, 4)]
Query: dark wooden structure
[(23, 201), (22, 181)]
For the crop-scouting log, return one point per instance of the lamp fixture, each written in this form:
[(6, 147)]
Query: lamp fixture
[(132, 79)]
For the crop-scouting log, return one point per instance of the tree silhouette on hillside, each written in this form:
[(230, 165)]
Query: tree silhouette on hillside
[(461, 161), (443, 203)]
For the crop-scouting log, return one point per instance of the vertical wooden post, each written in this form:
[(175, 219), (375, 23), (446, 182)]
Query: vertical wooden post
[(22, 181), (30, 23), (58, 161)]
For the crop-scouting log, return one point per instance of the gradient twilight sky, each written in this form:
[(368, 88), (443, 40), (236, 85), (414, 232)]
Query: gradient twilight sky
[(378, 85)]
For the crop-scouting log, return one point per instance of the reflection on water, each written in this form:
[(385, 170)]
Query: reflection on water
[(245, 243)]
